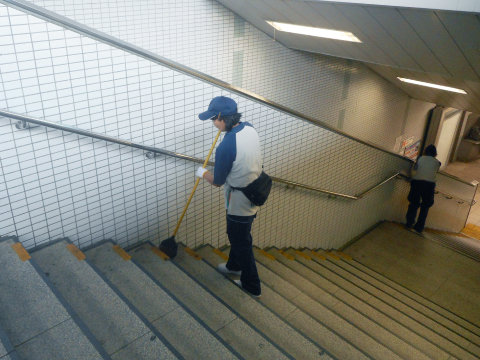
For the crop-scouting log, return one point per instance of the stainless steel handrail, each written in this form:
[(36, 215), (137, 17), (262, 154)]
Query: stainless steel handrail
[(448, 196), (376, 186), (112, 41), (95, 135), (295, 184)]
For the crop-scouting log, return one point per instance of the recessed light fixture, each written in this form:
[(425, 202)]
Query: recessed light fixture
[(313, 31), (432, 85)]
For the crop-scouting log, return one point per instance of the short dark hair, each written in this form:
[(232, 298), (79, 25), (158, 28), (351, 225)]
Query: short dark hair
[(230, 120), (430, 150)]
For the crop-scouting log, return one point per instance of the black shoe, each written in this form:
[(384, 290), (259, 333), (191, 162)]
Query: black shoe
[(408, 226)]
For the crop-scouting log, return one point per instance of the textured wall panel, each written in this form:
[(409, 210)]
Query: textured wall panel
[(55, 184), (206, 36)]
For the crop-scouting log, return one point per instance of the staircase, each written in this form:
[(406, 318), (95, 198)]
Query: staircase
[(104, 302)]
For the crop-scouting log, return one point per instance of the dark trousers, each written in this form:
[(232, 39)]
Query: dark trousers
[(421, 196), (241, 252)]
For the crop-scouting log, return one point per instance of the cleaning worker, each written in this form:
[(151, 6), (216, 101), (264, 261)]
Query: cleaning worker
[(422, 188), (238, 162)]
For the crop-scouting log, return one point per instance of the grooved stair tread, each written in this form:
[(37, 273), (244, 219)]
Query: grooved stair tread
[(409, 259), (410, 330), (427, 307), (295, 344), (326, 321), (366, 334), (30, 312), (440, 337), (182, 330), (108, 317), (232, 329), (420, 312)]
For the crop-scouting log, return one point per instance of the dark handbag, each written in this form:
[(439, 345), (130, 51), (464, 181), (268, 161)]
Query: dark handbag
[(258, 190)]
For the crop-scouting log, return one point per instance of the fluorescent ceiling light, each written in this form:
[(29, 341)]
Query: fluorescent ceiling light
[(432, 85), (313, 31)]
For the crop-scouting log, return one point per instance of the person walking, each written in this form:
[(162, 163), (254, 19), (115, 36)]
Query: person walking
[(422, 188), (238, 162)]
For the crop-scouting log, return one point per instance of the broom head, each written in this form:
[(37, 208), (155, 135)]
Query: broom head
[(169, 247)]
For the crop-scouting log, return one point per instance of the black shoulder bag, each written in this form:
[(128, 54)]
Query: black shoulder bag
[(258, 190)]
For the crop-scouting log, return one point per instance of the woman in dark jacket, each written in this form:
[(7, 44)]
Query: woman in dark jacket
[(422, 188)]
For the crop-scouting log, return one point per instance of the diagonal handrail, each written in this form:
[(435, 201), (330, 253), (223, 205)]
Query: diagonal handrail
[(112, 139), (156, 150), (125, 46), (448, 196)]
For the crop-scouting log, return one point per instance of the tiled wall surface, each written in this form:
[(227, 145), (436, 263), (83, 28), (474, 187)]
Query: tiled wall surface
[(55, 184), (207, 37)]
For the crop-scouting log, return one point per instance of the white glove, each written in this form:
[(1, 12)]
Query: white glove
[(200, 172)]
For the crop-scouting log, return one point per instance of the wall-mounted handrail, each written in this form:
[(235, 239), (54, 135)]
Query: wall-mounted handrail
[(376, 186), (308, 187), (95, 135), (125, 46), (448, 196)]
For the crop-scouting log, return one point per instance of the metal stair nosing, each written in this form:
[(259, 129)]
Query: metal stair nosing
[(422, 309), (200, 345), (75, 318), (314, 350), (348, 311), (431, 336), (211, 312), (170, 353)]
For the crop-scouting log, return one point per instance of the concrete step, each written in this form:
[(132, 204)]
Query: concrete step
[(385, 315), (253, 310), (176, 323), (7, 351), (333, 344), (434, 332), (425, 265), (337, 336), (422, 305), (374, 336), (37, 321), (215, 313), (119, 327), (415, 310)]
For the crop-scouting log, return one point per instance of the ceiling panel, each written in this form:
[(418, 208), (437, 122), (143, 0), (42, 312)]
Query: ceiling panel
[(394, 23), (429, 28), (367, 50), (259, 11), (376, 33), (464, 29), (433, 46), (470, 102), (301, 18)]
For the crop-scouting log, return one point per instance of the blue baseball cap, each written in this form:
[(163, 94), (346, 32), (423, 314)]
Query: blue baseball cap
[(219, 104)]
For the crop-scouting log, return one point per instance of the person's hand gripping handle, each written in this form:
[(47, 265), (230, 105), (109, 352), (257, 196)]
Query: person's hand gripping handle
[(196, 182)]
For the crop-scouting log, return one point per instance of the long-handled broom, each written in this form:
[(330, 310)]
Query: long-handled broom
[(169, 246)]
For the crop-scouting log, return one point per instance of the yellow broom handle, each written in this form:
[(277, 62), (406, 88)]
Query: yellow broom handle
[(196, 184)]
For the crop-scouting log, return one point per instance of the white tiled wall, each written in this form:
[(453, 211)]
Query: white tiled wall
[(55, 184), (201, 34)]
